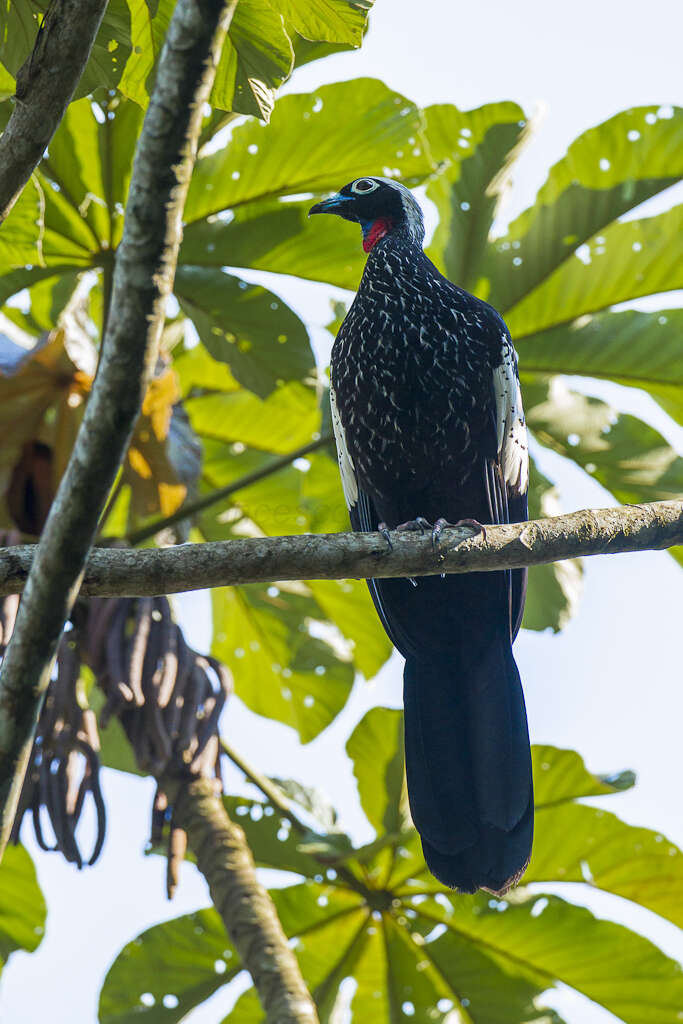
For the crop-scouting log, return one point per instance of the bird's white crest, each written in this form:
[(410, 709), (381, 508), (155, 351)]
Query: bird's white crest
[(513, 449), (411, 208), (348, 474)]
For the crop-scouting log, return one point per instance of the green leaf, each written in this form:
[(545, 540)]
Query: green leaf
[(70, 216), (413, 948), (607, 171), (246, 326), (275, 236), (18, 30), (553, 590), (625, 261), (333, 21), (281, 671), (22, 907), (22, 234), (628, 457), (168, 970), (284, 421), (348, 604), (47, 300), (574, 843), (545, 939), (303, 150), (641, 350), (561, 776), (271, 838), (111, 49), (475, 148), (376, 748), (290, 501), (256, 59)]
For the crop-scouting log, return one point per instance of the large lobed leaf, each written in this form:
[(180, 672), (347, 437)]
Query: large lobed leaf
[(257, 57), (388, 946), (606, 172)]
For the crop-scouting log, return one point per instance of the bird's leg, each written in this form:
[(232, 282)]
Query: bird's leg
[(442, 524)]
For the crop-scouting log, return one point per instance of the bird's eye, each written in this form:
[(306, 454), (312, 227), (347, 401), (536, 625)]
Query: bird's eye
[(364, 185)]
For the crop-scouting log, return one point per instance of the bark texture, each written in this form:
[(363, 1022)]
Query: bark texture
[(45, 85), (334, 556), (143, 277), (225, 860)]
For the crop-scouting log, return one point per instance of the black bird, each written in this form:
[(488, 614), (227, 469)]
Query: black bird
[(428, 420)]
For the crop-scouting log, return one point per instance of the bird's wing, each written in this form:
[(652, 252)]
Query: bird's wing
[(513, 454), (346, 467), (362, 512), (507, 477)]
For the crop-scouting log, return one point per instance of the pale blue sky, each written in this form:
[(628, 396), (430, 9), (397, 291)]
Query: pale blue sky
[(610, 685)]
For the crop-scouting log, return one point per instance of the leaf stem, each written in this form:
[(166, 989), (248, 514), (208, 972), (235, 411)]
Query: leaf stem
[(281, 802), (270, 790)]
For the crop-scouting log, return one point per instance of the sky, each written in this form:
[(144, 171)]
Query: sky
[(609, 686)]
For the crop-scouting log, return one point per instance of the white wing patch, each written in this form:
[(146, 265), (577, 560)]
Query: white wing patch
[(512, 437), (348, 475)]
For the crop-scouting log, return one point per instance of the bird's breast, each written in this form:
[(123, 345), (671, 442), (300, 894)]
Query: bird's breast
[(412, 399)]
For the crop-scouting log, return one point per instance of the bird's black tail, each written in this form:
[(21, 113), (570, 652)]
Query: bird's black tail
[(468, 765)]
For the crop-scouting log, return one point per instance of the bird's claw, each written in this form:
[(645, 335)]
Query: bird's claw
[(383, 529), (417, 525), (442, 524)]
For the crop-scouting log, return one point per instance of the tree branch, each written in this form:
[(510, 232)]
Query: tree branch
[(248, 914), (115, 572), (143, 278), (45, 85)]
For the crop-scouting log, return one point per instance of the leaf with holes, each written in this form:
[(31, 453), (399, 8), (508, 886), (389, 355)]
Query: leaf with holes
[(168, 970), (281, 669), (302, 150), (607, 171), (641, 350), (246, 326), (474, 148)]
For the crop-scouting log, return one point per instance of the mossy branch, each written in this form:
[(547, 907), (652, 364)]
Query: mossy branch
[(335, 556)]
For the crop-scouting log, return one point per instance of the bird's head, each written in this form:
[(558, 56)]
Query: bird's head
[(380, 205)]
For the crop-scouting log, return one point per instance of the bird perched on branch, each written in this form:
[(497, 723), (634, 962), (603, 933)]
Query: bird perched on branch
[(428, 420)]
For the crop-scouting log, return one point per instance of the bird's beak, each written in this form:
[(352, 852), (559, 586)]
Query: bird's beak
[(330, 205)]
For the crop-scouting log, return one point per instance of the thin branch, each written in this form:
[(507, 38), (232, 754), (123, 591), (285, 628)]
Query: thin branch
[(337, 556), (45, 85), (283, 805), (247, 910), (270, 790), (143, 278), (191, 508)]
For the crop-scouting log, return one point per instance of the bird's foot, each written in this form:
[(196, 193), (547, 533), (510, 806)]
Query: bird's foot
[(442, 524), (417, 525)]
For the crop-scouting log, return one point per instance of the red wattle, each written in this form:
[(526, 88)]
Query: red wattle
[(380, 227)]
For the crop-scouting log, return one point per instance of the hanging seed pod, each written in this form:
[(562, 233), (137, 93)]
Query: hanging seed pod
[(64, 766), (167, 697)]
